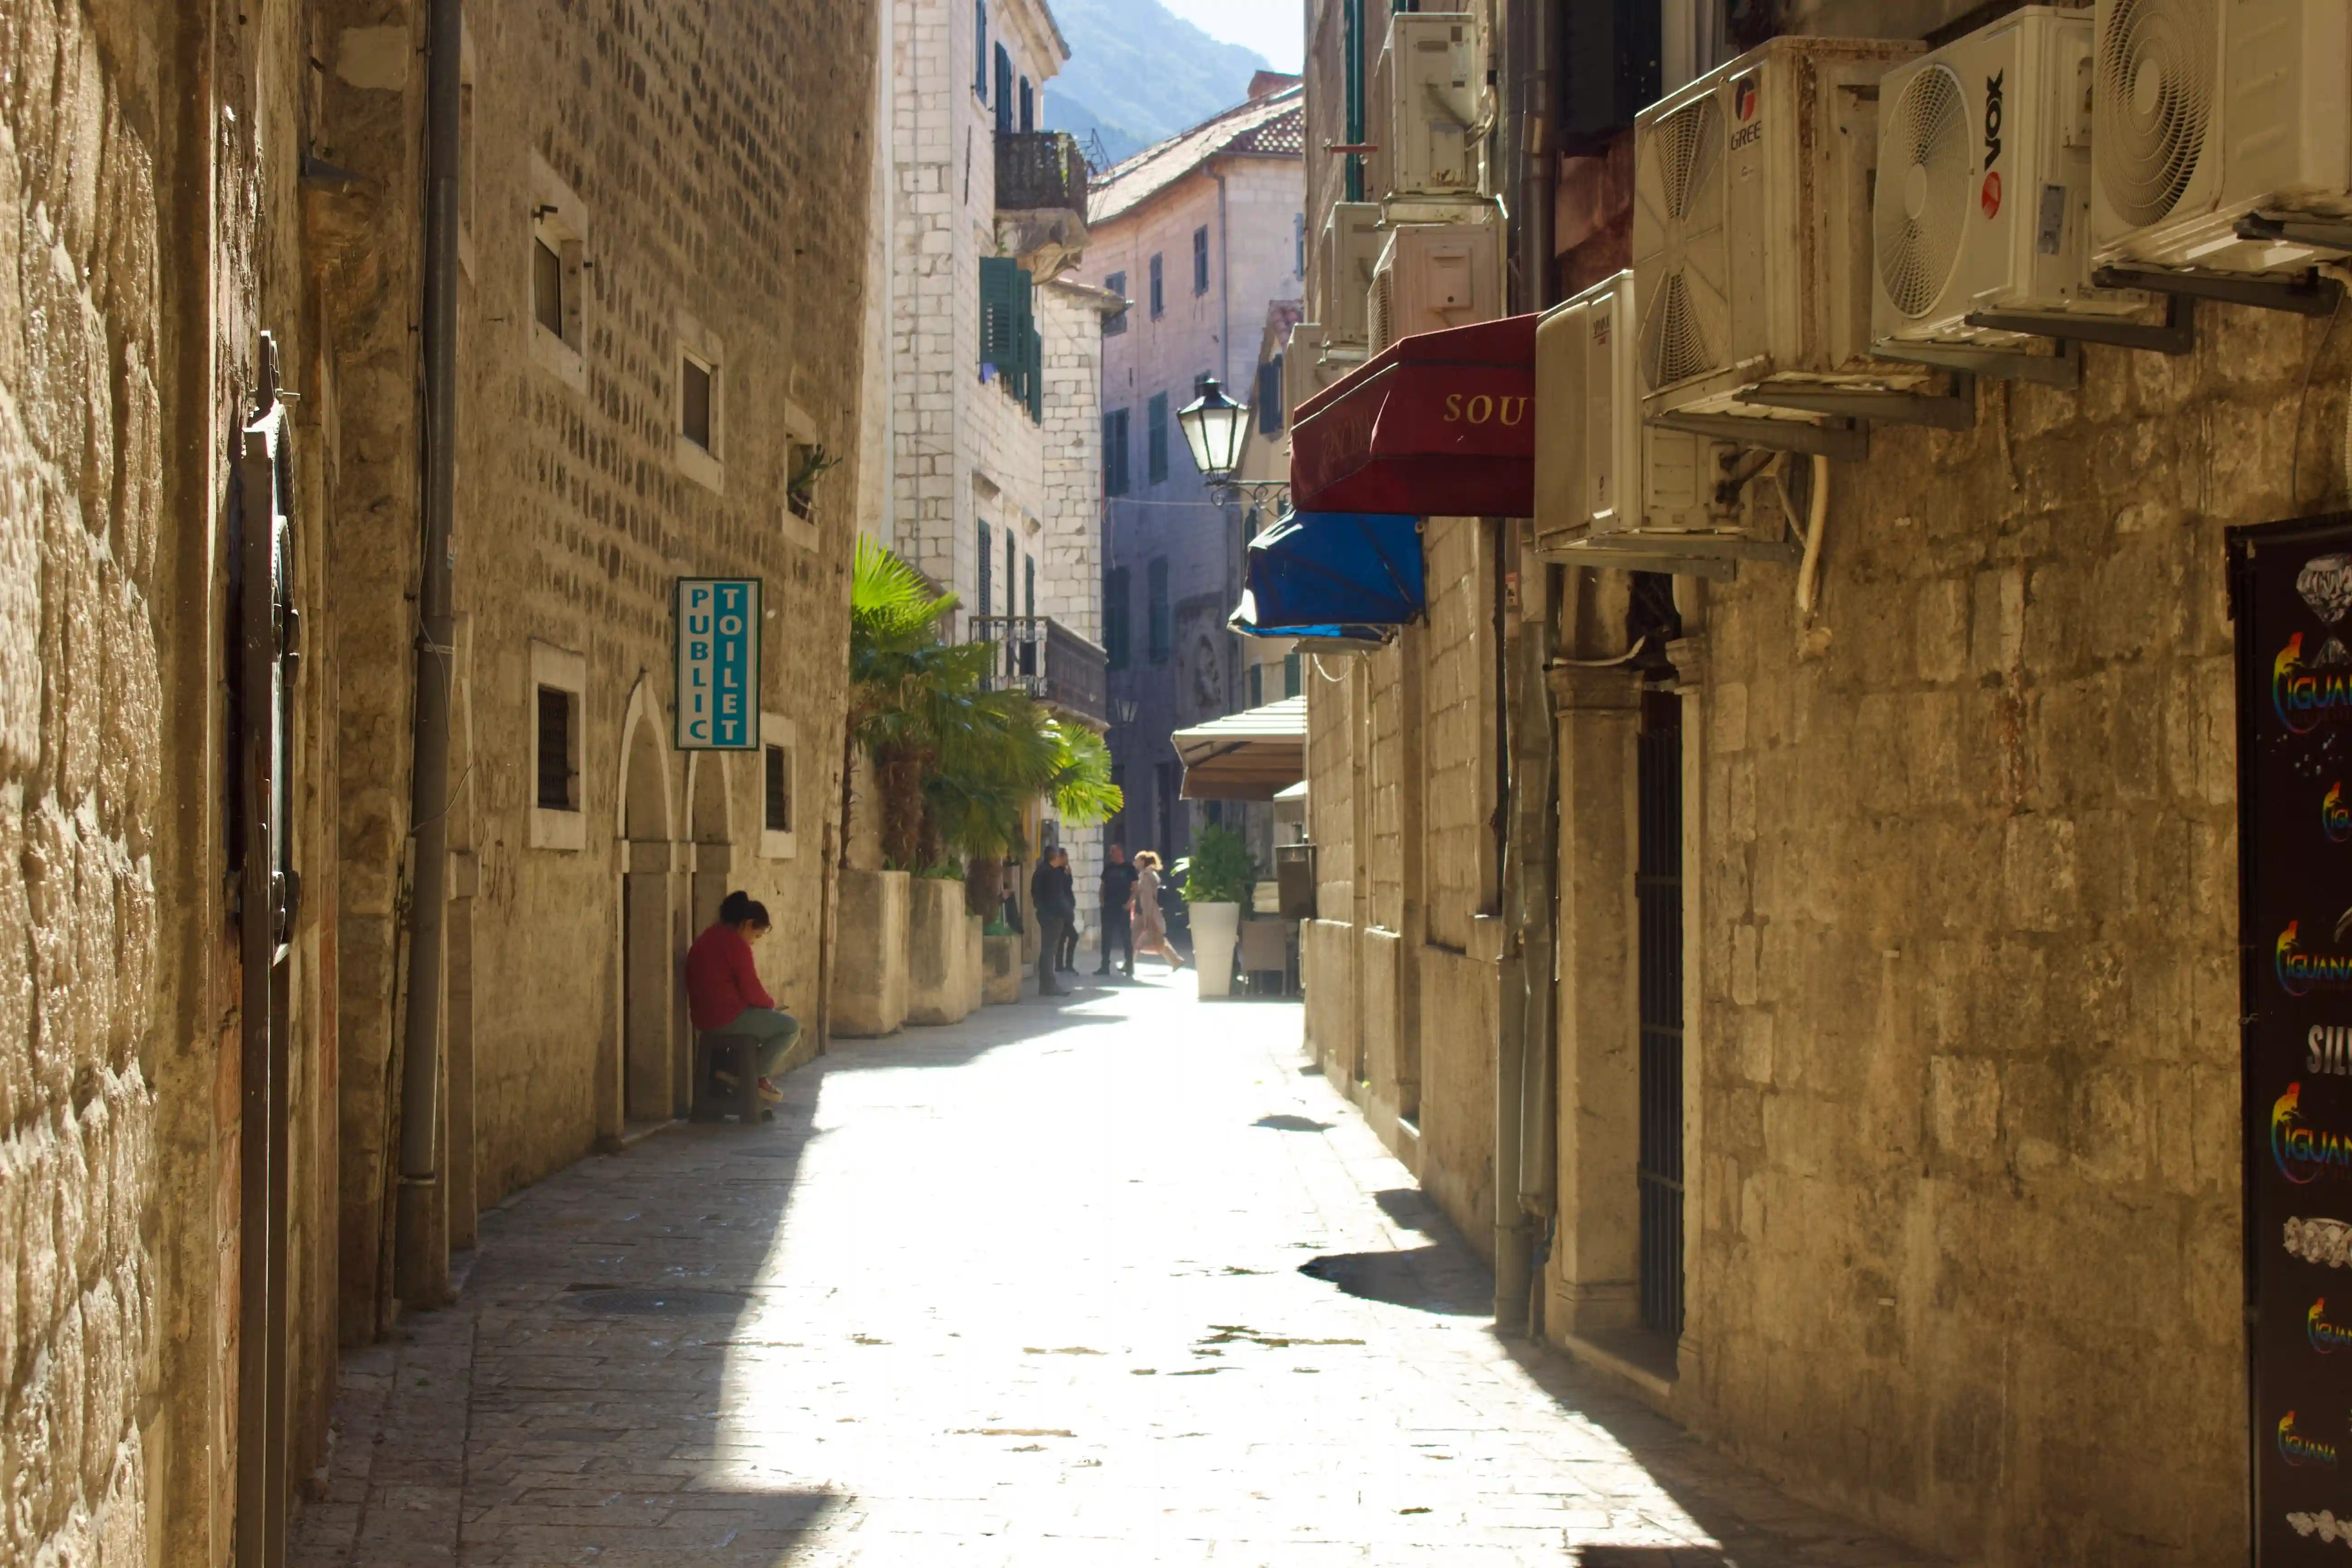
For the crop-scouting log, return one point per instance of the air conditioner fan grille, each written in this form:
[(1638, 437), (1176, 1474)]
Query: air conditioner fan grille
[(1927, 166), (2154, 102), (1685, 324)]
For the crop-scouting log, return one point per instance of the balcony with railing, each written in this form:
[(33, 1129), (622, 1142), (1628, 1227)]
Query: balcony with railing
[(1038, 170), (1039, 654)]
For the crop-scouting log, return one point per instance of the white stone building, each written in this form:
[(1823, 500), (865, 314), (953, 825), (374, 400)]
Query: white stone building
[(983, 364)]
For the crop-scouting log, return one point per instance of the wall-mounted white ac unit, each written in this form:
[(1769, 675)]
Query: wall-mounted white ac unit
[(1982, 206), (1609, 491), (2212, 113), (1305, 370), (1351, 248), (1751, 235), (1430, 86), (1433, 276)]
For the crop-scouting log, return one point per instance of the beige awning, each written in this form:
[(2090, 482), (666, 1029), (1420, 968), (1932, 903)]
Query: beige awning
[(1253, 755)]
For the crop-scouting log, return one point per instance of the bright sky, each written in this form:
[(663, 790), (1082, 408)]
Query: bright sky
[(1275, 28)]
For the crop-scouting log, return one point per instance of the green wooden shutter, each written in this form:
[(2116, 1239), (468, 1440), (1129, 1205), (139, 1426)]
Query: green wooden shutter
[(1003, 297), (1037, 377)]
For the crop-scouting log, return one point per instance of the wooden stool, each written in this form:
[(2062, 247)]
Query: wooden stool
[(736, 1054)]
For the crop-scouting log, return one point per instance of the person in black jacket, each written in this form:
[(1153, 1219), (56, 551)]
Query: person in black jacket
[(1057, 903), (1117, 907)]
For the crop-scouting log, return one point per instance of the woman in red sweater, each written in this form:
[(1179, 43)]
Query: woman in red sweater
[(723, 989)]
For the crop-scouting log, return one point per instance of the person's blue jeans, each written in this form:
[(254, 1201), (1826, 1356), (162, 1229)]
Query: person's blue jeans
[(774, 1031)]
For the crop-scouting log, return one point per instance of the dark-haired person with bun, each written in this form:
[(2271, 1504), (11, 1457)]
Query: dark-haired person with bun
[(723, 989)]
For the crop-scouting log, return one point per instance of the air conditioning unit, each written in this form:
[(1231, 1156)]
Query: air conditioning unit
[(1606, 483), (1433, 276), (1983, 198), (1751, 235), (2210, 113), (1431, 85), (1305, 370), (1351, 248)]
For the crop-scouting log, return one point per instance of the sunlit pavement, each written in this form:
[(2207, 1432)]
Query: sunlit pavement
[(1026, 1290)]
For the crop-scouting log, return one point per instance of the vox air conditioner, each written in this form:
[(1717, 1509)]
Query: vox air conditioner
[(1351, 248), (1752, 253), (2221, 136), (1433, 276), (1609, 491), (1430, 85), (1982, 205)]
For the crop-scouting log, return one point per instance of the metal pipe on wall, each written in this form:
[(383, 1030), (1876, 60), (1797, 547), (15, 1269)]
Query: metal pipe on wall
[(421, 1264)]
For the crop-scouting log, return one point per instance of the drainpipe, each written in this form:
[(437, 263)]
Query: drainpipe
[(1525, 1177), (422, 1265)]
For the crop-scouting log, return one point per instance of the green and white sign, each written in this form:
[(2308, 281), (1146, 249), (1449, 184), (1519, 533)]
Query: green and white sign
[(717, 664)]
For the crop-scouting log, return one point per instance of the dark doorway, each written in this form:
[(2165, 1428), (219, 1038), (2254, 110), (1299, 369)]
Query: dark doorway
[(1658, 884)]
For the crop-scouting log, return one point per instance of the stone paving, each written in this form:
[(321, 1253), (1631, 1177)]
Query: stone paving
[(1024, 1290)]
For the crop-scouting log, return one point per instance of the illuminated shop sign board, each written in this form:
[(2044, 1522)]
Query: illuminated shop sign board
[(2291, 590), (717, 629)]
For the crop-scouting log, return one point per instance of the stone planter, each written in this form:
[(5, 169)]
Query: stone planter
[(869, 986), (1001, 969), (1215, 929), (938, 952)]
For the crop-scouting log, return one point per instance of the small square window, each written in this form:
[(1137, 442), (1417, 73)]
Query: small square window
[(779, 786), (546, 285), (557, 713), (694, 403)]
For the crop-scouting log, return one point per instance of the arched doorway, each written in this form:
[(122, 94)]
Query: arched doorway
[(649, 1038)]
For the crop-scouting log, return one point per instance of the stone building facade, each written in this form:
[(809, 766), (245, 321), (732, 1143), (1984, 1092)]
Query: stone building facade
[(1958, 1104), (1200, 235), (993, 490), (208, 205)]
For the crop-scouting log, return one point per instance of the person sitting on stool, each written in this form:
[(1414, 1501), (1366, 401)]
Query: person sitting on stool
[(723, 990)]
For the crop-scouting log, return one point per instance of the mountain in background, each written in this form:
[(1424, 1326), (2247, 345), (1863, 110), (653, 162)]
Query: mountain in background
[(1137, 73)]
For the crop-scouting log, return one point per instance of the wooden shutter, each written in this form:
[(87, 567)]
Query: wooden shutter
[(1003, 288)]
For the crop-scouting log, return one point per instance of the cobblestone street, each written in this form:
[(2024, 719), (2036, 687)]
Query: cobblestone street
[(1026, 1291)]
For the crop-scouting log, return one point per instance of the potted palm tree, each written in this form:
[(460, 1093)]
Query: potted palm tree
[(1220, 876)]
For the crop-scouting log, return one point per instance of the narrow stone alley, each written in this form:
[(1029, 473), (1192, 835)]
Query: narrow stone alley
[(1115, 1281)]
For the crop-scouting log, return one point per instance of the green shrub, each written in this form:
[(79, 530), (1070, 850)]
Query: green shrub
[(1220, 871)]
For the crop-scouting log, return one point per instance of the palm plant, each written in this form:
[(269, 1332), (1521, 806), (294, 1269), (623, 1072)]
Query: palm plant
[(956, 765)]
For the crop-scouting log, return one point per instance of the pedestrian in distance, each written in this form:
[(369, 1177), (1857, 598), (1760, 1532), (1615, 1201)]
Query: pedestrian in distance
[(1115, 906), (1057, 903), (724, 995), (1151, 926)]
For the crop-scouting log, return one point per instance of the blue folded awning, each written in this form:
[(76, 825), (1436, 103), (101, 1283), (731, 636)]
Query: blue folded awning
[(1338, 575)]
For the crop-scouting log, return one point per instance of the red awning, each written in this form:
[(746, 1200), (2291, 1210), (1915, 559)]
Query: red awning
[(1440, 425)]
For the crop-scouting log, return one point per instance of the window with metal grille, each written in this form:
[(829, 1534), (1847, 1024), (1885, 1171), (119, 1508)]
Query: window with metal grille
[(557, 774), (1161, 628), (1269, 397), (1116, 610), (778, 791), (1159, 294), (1155, 439), (1116, 322), (1658, 887), (547, 286), (1115, 474)]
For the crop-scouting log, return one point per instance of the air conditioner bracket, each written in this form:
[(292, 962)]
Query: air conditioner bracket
[(2061, 369), (1614, 558), (2309, 295), (1843, 439), (1956, 410), (2327, 233), (2177, 335)]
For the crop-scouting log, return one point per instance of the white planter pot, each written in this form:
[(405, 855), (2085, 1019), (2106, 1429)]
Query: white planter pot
[(1215, 929)]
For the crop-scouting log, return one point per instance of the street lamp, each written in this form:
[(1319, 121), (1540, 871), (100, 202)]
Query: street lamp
[(1215, 427)]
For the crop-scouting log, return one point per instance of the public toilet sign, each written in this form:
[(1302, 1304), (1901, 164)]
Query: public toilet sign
[(717, 664)]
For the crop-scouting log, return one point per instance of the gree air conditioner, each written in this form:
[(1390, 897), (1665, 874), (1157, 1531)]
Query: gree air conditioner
[(1751, 238), (1609, 491), (1351, 248), (1983, 200), (1430, 87), (2222, 134), (1433, 276)]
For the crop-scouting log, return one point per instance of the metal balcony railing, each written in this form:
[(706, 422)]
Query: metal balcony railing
[(1039, 169), (1052, 663)]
